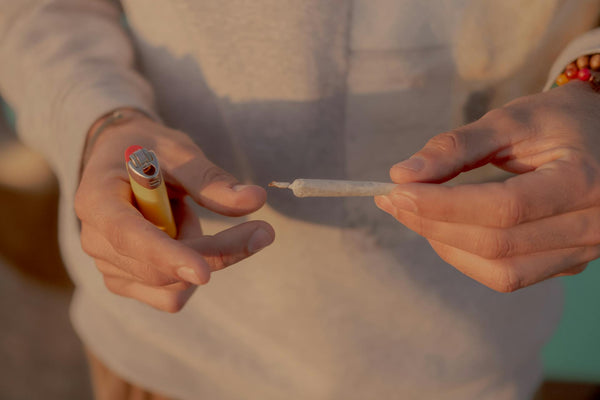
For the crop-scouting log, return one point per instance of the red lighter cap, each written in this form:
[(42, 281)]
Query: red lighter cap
[(130, 150)]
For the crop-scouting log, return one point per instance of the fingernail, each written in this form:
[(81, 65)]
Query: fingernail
[(403, 202), (189, 275), (384, 203), (259, 239), (415, 164), (239, 188)]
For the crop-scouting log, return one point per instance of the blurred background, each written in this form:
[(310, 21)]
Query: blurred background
[(42, 356)]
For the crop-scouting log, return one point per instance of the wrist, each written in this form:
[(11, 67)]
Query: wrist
[(118, 117)]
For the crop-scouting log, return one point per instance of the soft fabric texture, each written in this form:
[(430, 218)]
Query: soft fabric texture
[(346, 303), (109, 386)]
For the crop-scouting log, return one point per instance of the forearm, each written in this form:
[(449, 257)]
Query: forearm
[(65, 64)]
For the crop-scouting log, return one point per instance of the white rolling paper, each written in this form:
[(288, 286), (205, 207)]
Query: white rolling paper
[(334, 188)]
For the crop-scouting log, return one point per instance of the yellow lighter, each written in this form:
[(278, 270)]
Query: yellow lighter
[(149, 188)]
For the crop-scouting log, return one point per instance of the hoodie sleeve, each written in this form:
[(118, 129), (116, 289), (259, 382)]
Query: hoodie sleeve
[(64, 64)]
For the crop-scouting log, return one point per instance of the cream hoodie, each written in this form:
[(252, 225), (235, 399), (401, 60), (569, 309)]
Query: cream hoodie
[(347, 303)]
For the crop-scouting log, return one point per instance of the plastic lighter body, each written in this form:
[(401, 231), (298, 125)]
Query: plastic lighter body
[(149, 188)]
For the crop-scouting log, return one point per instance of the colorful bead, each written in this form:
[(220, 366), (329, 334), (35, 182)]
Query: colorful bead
[(571, 71), (595, 62), (584, 74), (583, 62), (585, 68), (562, 79)]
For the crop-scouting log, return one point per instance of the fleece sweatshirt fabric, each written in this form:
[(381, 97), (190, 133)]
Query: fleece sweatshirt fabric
[(346, 303)]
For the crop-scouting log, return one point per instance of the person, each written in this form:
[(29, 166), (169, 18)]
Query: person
[(347, 302)]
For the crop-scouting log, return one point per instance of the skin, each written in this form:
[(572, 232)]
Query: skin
[(539, 224), (543, 222), (135, 258)]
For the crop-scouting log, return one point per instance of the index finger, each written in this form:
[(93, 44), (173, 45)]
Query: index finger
[(556, 188), (210, 186), (448, 154)]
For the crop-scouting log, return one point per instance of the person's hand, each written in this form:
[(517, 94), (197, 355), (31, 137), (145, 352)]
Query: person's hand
[(137, 259), (541, 223)]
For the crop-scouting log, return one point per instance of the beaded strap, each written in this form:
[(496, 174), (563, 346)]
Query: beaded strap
[(585, 68)]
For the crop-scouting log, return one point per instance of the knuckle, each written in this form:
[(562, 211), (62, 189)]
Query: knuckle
[(174, 302), (86, 201), (507, 117), (112, 286), (447, 142), (214, 255), (218, 260), (513, 118), (87, 244), (103, 268), (508, 280), (511, 211), (80, 204), (441, 251), (87, 247), (499, 114), (117, 237), (212, 173), (495, 245)]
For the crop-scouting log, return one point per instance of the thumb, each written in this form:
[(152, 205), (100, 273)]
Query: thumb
[(450, 153), (214, 188)]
